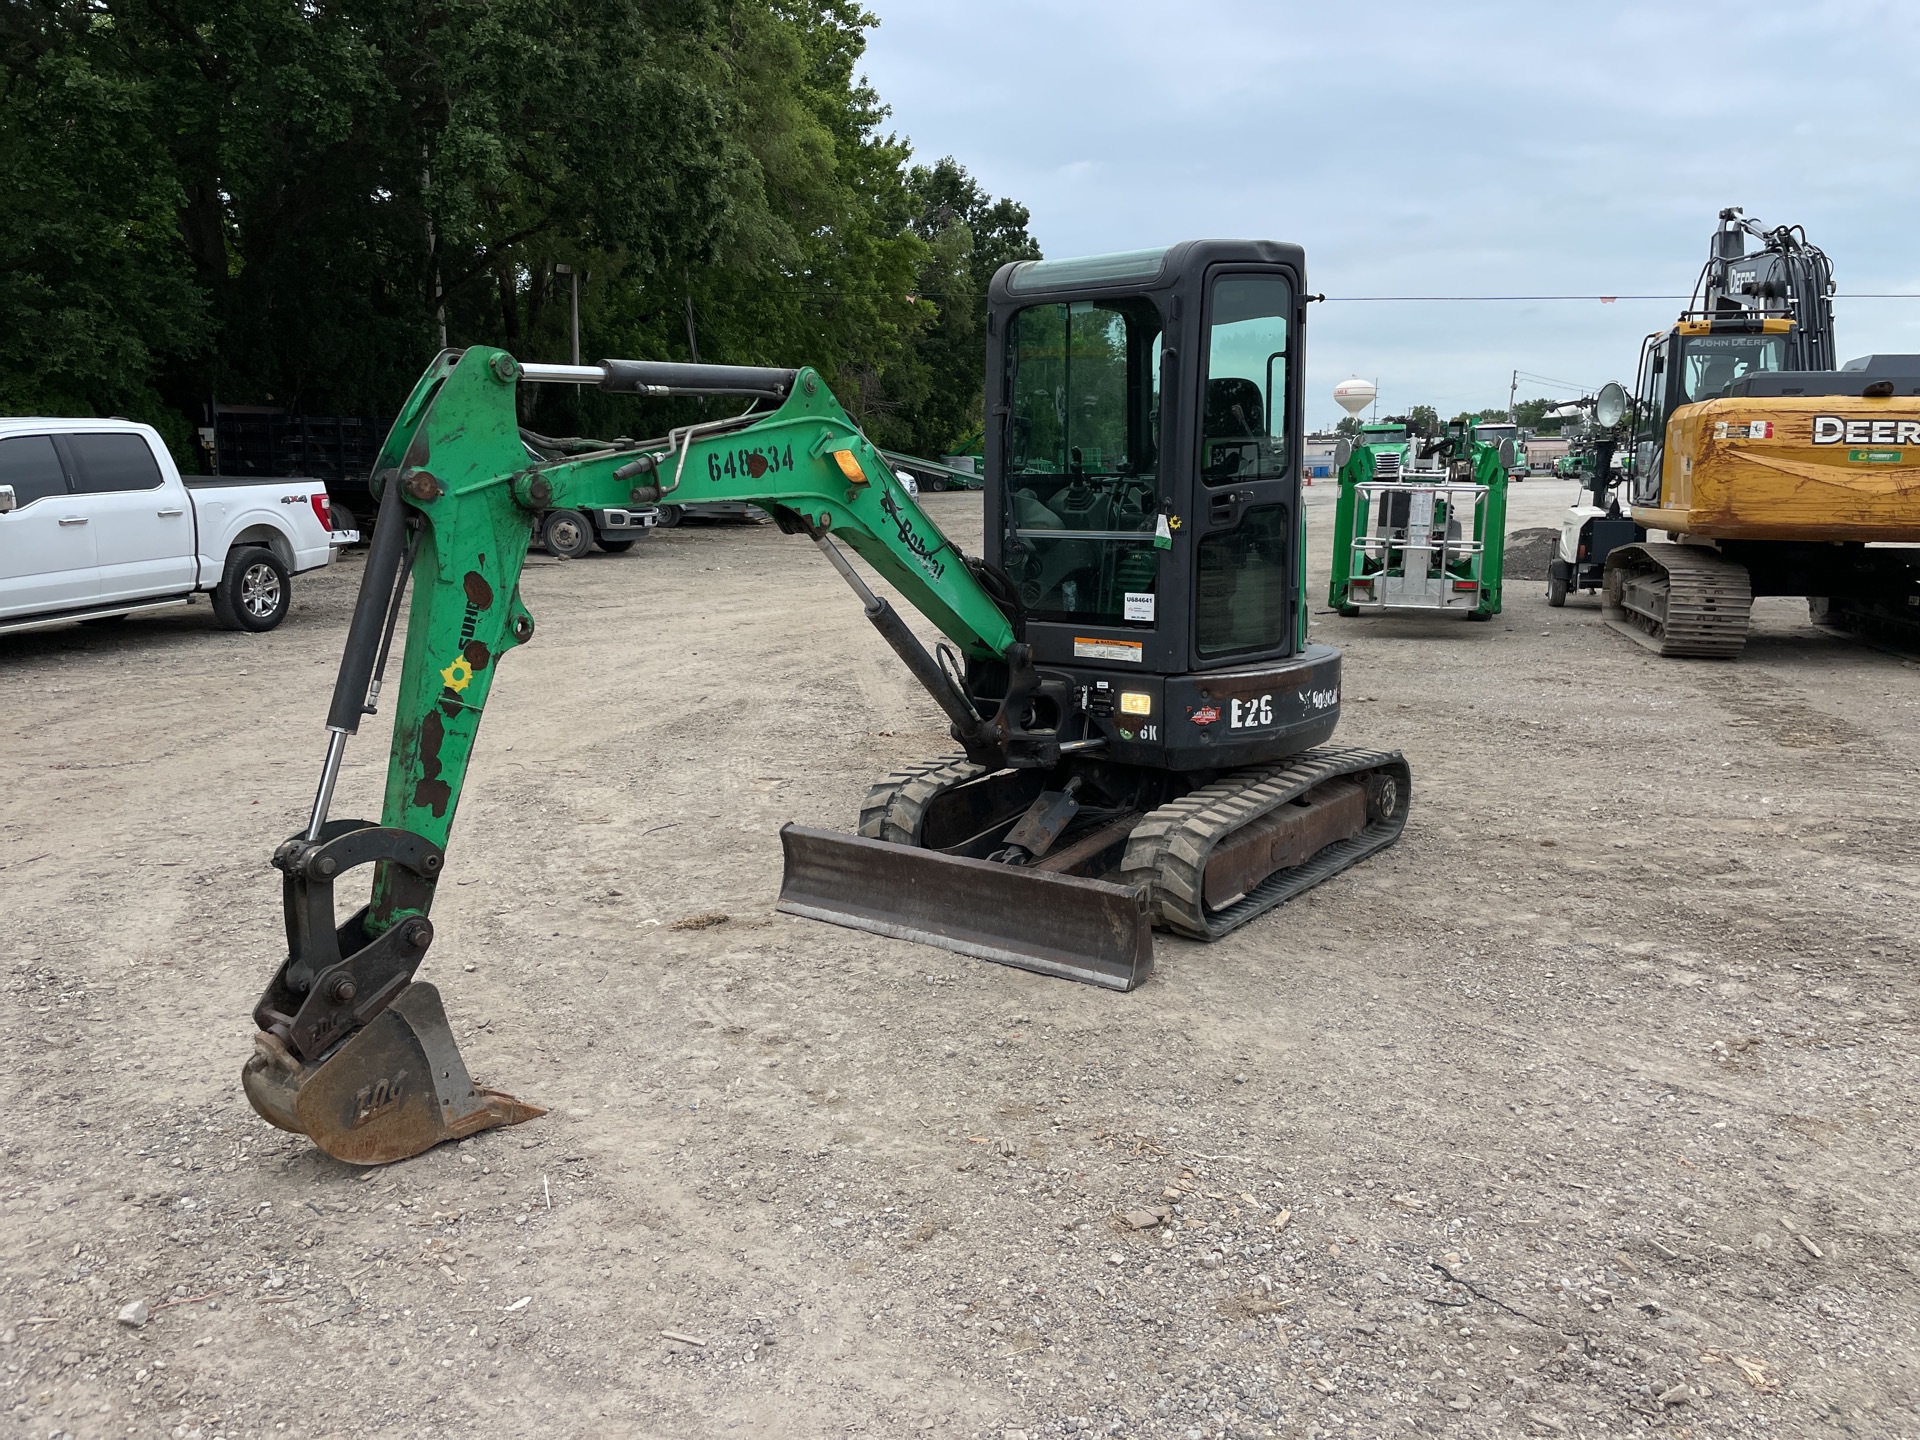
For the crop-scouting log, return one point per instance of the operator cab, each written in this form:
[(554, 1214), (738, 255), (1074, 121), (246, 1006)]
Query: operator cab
[(1699, 359), (1142, 476)]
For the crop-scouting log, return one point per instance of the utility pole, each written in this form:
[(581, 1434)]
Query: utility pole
[(433, 247), (1513, 393), (574, 309)]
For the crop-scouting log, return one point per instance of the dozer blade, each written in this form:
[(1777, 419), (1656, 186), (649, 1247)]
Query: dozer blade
[(1086, 930), (395, 1088)]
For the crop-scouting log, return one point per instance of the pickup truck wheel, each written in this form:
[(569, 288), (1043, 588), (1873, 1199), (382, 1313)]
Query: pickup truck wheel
[(613, 547), (567, 534), (670, 516), (255, 591)]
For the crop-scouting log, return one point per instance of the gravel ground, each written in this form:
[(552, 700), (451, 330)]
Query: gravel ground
[(1586, 1110)]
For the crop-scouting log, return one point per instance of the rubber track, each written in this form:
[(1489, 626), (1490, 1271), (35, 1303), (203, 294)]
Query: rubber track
[(1709, 601), (1168, 850), (896, 807)]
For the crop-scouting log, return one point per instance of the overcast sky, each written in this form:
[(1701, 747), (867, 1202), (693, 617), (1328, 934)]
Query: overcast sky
[(1452, 149)]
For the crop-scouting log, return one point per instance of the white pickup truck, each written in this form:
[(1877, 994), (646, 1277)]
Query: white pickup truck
[(96, 522)]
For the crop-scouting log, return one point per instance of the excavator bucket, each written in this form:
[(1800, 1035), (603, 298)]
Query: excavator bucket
[(395, 1088), (1078, 929)]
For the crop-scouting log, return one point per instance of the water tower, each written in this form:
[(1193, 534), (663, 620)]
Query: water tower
[(1354, 395)]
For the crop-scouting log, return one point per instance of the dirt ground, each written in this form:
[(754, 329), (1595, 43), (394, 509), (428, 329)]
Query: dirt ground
[(1586, 1110)]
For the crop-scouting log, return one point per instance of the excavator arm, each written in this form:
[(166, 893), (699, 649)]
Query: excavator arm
[(464, 479), (351, 1050)]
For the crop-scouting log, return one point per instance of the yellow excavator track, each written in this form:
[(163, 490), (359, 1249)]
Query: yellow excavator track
[(1680, 600)]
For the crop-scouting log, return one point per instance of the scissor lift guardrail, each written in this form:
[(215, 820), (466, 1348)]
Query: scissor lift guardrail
[(1403, 559)]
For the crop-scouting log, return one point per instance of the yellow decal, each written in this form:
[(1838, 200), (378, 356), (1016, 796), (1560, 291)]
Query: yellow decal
[(457, 675)]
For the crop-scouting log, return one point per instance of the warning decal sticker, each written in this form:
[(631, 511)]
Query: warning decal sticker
[(1128, 650)]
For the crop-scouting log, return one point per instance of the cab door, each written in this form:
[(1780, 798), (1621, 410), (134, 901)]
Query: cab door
[(1248, 545), (1654, 402), (142, 528), (1080, 483), (47, 560)]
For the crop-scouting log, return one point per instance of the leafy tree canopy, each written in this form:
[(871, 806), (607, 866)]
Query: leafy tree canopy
[(287, 203), (1533, 414)]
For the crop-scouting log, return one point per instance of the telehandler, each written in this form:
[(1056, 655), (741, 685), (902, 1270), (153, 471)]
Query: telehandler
[(1126, 669)]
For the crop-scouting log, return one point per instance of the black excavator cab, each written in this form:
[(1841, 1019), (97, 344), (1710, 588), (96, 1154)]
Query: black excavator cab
[(1143, 528), (1143, 492)]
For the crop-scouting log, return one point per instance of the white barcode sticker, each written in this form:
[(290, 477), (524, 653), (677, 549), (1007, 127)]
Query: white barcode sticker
[(1139, 607)]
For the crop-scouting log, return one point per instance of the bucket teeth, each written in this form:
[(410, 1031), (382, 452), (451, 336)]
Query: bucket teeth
[(395, 1088)]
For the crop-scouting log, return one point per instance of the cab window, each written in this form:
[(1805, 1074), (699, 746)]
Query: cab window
[(1713, 362), (31, 465), (1083, 458), (1243, 420), (113, 462)]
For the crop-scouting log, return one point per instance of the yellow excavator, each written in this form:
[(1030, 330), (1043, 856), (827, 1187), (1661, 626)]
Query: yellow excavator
[(1771, 471)]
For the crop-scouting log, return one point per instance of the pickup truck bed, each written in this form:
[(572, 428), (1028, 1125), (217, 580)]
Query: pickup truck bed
[(96, 521)]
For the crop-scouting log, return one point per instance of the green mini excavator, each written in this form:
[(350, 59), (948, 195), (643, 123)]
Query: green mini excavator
[(1140, 718)]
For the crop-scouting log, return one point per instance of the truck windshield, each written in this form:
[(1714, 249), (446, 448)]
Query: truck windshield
[(1710, 363), (1395, 436), (1083, 457), (1494, 434)]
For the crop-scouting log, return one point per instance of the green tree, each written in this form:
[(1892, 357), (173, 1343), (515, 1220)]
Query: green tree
[(970, 235), (96, 294), (1533, 414), (277, 202)]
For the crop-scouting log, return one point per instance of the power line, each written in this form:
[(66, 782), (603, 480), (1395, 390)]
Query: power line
[(1533, 379), (1603, 299), (1474, 299)]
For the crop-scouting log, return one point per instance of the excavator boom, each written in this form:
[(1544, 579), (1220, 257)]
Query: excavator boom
[(351, 1050)]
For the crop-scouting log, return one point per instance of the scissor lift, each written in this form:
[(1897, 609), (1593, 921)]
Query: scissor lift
[(1423, 540)]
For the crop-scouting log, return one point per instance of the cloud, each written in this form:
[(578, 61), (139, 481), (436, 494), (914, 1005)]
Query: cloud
[(1459, 149)]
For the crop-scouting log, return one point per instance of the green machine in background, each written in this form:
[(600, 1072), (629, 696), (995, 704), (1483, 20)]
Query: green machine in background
[(1492, 432), (1420, 524), (1392, 446)]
